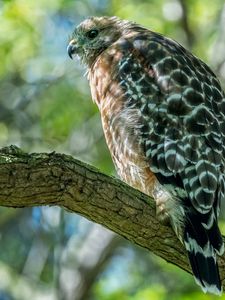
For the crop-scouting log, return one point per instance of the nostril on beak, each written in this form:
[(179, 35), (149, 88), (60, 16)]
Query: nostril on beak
[(71, 48)]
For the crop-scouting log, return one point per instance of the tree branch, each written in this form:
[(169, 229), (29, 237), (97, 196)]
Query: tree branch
[(186, 25), (218, 60), (58, 179)]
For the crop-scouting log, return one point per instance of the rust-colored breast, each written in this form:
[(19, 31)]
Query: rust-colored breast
[(121, 124)]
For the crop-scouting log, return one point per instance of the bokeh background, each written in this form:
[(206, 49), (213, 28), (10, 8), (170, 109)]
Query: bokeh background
[(45, 105)]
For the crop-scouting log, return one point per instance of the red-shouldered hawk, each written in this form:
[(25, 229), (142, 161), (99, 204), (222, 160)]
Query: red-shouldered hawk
[(163, 115)]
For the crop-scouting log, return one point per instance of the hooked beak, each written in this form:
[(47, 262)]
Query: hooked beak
[(71, 48)]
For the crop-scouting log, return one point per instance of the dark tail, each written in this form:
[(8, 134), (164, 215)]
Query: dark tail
[(202, 240)]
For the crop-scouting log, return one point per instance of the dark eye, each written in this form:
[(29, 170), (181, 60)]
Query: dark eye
[(92, 33)]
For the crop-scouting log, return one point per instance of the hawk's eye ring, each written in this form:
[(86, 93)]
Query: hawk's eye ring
[(92, 33)]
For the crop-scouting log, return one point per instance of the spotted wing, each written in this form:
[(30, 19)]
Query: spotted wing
[(182, 110)]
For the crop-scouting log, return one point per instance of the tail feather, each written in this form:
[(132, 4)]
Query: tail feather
[(202, 242), (215, 238), (206, 273)]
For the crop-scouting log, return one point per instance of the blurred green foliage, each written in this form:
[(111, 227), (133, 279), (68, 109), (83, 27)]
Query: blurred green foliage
[(45, 105)]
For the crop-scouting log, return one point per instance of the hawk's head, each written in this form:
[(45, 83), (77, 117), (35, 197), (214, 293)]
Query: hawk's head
[(93, 36)]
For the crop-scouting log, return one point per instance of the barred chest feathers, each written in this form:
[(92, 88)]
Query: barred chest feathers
[(121, 125)]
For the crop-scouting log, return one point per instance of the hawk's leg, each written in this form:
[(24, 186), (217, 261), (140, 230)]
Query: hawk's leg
[(166, 205), (162, 209)]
